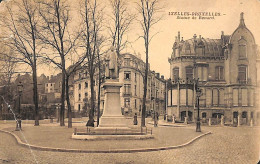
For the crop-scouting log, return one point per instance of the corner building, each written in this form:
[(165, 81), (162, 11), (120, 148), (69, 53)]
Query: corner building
[(226, 69)]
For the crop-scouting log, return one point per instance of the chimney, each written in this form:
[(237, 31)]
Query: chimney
[(158, 75), (179, 36), (194, 36), (222, 33), (162, 77)]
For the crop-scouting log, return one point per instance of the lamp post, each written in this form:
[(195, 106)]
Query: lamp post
[(19, 121), (198, 93), (20, 90), (58, 113)]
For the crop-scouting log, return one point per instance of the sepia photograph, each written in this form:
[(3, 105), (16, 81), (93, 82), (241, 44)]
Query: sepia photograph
[(130, 81)]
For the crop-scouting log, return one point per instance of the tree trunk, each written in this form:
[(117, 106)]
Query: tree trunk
[(145, 85), (92, 102), (62, 94), (99, 88), (35, 94), (68, 103)]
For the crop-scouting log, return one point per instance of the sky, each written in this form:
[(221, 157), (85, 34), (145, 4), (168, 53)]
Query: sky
[(166, 30)]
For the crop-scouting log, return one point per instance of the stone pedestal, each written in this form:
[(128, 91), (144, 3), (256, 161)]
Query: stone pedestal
[(238, 121), (173, 119), (222, 120), (251, 123), (112, 116), (209, 121), (185, 120)]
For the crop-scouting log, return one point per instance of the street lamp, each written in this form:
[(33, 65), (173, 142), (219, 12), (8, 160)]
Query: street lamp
[(198, 93), (20, 90), (19, 121)]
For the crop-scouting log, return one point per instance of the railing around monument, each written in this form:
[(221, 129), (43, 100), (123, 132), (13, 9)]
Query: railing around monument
[(116, 131)]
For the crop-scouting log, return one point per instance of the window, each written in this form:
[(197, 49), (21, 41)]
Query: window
[(127, 62), (215, 97), (135, 104), (135, 90), (86, 94), (242, 51), (200, 51), (221, 97), (208, 97), (251, 97), (183, 97), (219, 73), (177, 52), (79, 97), (127, 102), (202, 73), (235, 97), (86, 84), (244, 114), (127, 88), (175, 73), (189, 73), (127, 75), (79, 86), (244, 97), (135, 77), (79, 107), (242, 74), (204, 115)]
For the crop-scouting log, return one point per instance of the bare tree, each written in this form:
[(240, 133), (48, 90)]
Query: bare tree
[(91, 39), (147, 10), (55, 33), (22, 38), (121, 21)]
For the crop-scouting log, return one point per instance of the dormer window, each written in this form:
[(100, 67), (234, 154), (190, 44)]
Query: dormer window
[(242, 52)]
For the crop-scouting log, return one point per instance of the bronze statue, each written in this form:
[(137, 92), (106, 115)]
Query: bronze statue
[(111, 71)]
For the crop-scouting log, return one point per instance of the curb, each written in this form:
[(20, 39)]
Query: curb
[(18, 140)]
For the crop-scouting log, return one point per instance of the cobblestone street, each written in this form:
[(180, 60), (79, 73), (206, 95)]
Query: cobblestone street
[(225, 145)]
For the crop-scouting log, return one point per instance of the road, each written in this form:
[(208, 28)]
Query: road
[(225, 145)]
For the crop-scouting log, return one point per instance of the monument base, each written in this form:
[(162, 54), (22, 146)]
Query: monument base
[(112, 121)]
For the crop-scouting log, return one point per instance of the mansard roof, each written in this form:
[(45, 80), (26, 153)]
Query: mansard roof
[(212, 47)]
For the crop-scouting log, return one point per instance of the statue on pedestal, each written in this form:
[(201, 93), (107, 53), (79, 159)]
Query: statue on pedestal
[(111, 71)]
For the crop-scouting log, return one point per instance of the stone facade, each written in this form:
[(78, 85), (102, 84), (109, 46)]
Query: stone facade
[(226, 69), (131, 93)]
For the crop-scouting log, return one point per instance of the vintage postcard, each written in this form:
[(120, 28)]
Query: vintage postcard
[(138, 81)]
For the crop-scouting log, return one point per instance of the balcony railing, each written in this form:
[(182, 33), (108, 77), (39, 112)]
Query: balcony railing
[(127, 94), (248, 81)]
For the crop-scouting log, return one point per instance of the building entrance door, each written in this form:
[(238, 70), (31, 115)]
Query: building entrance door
[(235, 117)]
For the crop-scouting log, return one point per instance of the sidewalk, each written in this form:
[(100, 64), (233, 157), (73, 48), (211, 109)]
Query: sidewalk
[(54, 136), (165, 123)]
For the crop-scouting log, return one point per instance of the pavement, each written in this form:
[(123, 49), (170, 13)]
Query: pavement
[(52, 137), (239, 145)]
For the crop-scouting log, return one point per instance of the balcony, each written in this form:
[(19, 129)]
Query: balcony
[(248, 81)]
